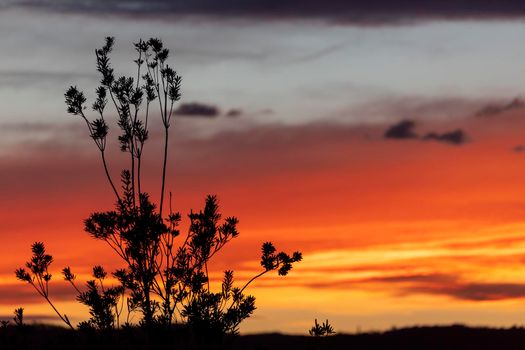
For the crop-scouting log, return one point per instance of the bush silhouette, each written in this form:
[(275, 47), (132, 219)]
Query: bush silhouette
[(165, 277), (321, 330)]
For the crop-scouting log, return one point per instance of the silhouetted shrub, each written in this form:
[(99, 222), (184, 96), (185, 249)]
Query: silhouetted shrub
[(165, 281), (321, 330)]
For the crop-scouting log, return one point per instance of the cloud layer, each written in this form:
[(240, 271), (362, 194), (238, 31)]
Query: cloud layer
[(436, 284), (343, 11)]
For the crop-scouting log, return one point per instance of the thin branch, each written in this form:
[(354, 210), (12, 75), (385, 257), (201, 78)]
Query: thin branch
[(253, 279), (109, 176)]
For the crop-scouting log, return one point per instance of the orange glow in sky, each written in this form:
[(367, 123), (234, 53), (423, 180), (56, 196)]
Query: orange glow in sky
[(393, 232)]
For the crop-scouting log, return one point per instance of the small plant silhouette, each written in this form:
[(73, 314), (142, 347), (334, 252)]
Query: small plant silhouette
[(38, 276), (18, 319), (102, 302), (164, 279), (322, 330), (19, 316)]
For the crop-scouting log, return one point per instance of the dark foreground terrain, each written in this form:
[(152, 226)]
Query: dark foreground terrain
[(420, 338)]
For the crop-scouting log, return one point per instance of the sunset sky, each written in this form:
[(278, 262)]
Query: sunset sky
[(383, 139)]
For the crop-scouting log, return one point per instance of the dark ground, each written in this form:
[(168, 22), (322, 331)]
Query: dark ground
[(420, 338)]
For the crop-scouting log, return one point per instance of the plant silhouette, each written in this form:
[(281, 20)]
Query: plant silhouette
[(38, 275), (102, 302), (321, 330), (165, 277), (19, 316)]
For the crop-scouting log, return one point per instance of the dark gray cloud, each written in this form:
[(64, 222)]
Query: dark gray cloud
[(361, 12), (456, 137), (402, 130), (405, 130), (496, 109), (197, 109), (234, 112)]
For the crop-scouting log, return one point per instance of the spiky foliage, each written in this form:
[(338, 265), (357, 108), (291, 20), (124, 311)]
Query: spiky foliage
[(321, 330), (19, 316), (39, 276), (102, 302)]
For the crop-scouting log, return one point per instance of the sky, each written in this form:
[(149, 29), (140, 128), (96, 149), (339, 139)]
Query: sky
[(383, 139)]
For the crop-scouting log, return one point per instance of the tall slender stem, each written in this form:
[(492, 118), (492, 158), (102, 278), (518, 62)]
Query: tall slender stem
[(132, 170), (63, 318), (139, 163), (46, 296), (166, 135)]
